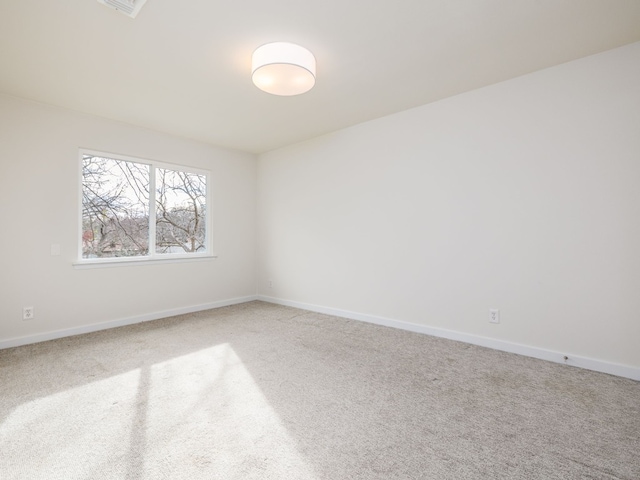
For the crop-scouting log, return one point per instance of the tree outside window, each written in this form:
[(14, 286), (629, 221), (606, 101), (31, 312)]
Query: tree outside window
[(117, 205)]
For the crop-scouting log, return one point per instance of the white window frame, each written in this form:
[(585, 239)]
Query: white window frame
[(152, 257)]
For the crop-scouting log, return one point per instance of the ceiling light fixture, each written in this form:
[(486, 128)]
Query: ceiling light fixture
[(282, 68)]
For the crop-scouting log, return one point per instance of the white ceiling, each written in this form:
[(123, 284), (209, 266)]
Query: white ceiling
[(183, 67)]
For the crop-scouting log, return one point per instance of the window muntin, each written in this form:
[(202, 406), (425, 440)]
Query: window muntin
[(118, 205)]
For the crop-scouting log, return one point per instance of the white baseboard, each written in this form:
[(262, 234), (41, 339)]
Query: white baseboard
[(535, 352), (511, 347), (67, 332)]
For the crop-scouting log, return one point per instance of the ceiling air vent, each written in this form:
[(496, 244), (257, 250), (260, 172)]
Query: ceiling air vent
[(128, 7)]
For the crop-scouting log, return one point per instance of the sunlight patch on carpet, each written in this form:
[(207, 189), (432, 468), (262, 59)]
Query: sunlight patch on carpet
[(201, 412)]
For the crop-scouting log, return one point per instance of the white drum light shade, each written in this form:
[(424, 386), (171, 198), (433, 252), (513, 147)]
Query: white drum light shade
[(282, 68)]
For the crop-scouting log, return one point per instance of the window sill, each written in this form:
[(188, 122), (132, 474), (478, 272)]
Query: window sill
[(130, 262)]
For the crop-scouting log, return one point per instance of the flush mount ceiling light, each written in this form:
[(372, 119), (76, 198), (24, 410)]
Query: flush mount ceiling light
[(282, 68)]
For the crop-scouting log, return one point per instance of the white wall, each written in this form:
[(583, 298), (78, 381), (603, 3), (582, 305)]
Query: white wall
[(522, 196), (39, 183)]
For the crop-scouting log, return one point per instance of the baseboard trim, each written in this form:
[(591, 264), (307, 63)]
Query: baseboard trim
[(511, 347), (526, 350), (68, 332)]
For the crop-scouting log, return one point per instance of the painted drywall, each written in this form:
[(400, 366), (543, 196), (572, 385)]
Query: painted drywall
[(39, 206), (523, 196)]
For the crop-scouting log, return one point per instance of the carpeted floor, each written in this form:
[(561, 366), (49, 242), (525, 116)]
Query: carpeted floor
[(260, 391)]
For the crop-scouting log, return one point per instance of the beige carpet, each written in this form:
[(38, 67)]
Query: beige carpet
[(259, 391)]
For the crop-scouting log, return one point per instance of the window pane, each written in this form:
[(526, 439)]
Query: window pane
[(115, 208), (180, 211)]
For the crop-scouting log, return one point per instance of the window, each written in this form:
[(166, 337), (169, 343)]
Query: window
[(124, 219)]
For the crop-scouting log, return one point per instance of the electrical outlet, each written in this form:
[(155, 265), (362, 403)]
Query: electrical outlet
[(27, 313), (270, 283), (494, 315)]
